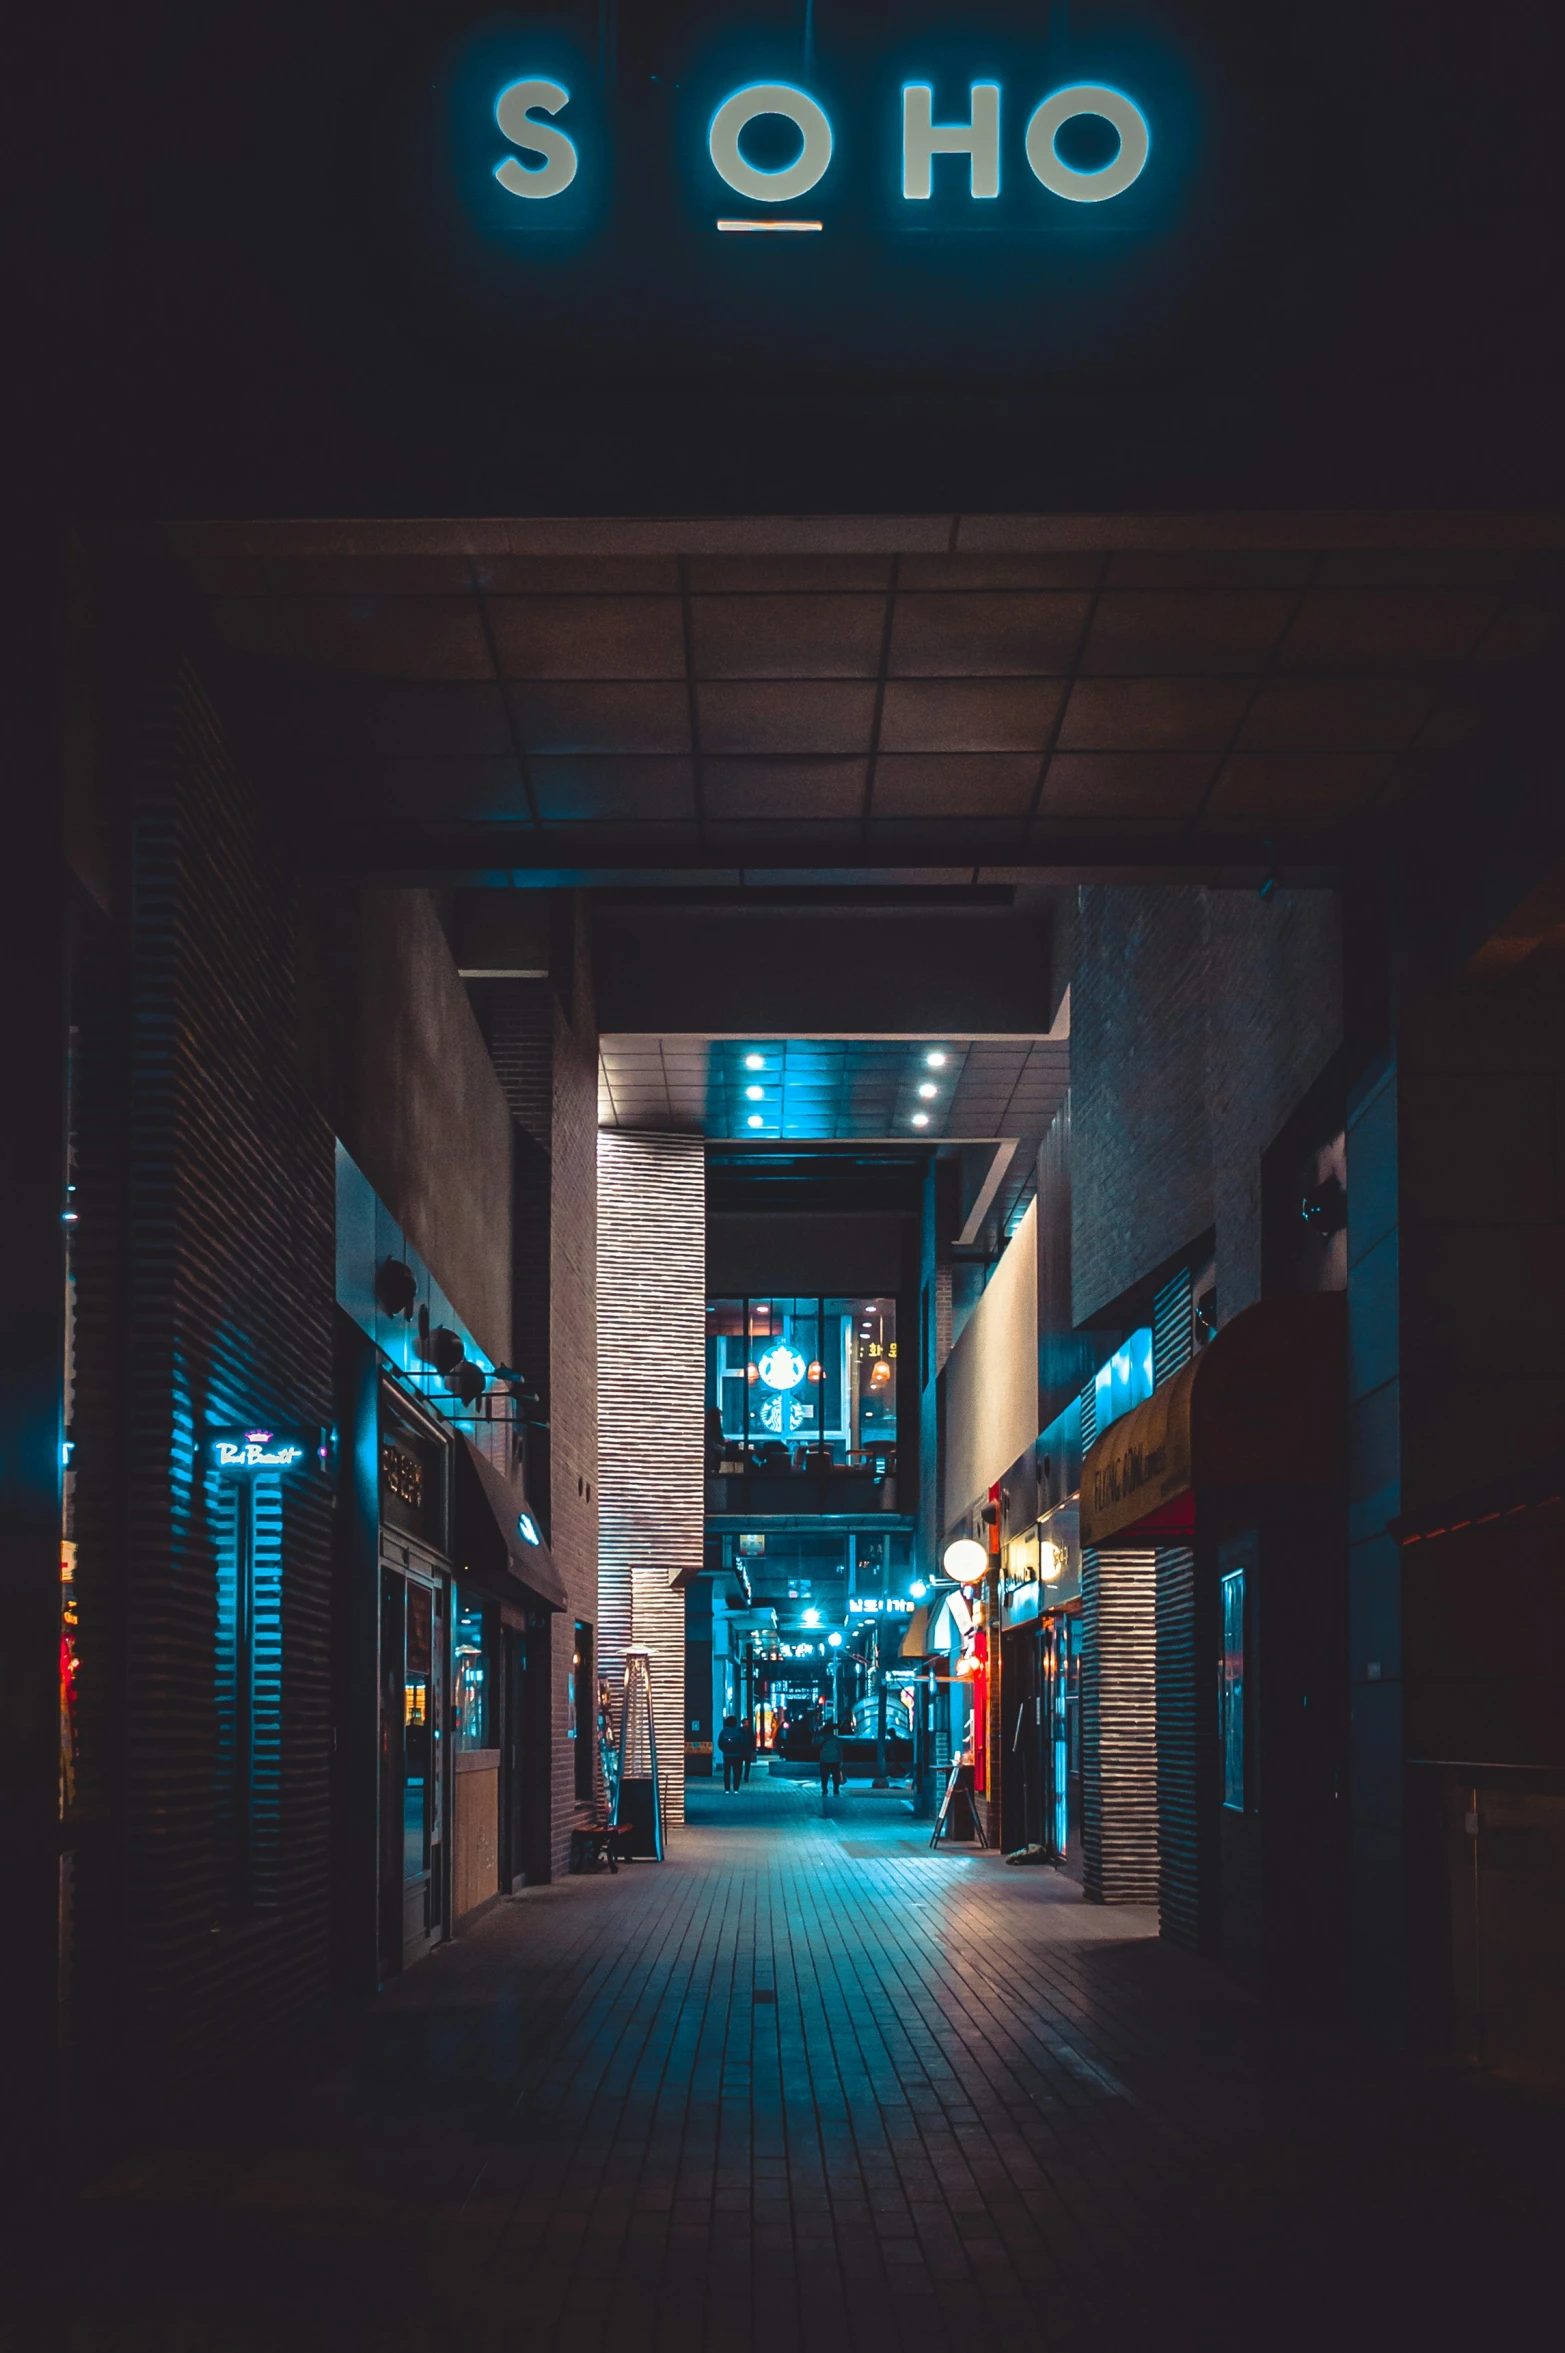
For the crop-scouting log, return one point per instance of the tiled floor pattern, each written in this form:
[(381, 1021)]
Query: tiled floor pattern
[(809, 2086)]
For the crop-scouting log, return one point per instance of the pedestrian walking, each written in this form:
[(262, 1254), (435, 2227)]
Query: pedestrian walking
[(730, 1743), (830, 1756), (747, 1753)]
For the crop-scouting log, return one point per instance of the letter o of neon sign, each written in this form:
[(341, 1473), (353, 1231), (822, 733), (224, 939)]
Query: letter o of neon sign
[(1135, 143), (796, 178)]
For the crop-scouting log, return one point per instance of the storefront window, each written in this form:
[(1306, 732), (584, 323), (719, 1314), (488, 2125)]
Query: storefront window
[(786, 1375), (472, 1682), (1231, 1691)]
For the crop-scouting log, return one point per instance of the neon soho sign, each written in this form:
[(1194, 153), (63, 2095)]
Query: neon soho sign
[(238, 1451), (521, 103)]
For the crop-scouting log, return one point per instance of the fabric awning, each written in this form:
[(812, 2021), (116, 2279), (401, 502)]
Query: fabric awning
[(916, 1635), (490, 1546), (1261, 1406)]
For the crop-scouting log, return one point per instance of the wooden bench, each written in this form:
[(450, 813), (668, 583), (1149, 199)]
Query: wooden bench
[(600, 1842)]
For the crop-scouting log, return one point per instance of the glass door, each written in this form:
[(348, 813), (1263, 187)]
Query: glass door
[(413, 1631)]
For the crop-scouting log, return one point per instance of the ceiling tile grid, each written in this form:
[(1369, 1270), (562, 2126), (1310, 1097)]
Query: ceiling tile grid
[(1000, 694)]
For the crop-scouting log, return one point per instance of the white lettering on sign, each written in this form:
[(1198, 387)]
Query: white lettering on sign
[(521, 102), (247, 1455), (1135, 143), (514, 114), (923, 138), (793, 179)]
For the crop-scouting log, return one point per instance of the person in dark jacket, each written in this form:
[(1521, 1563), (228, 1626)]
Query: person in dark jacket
[(830, 1758), (747, 1753), (730, 1742)]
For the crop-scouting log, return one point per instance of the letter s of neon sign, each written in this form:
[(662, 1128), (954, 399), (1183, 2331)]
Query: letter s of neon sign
[(521, 102), (514, 110)]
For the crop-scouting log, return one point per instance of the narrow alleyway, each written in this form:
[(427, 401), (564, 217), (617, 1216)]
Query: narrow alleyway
[(810, 2085)]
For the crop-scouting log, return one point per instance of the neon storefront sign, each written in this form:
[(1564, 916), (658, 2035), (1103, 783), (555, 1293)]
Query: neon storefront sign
[(781, 1367), (990, 133), (237, 1452)]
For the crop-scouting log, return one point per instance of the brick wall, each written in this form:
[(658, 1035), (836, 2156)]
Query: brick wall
[(651, 1340), (573, 1341), (396, 1060), (229, 1318), (543, 1043), (1199, 1018), (519, 1019)]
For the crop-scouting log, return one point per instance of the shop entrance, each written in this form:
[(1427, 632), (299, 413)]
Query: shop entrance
[(1023, 1767), (412, 1761)]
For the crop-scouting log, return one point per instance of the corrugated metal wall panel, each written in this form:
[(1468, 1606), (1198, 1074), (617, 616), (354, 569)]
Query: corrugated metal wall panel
[(1119, 1835), (229, 1310), (651, 1398), (544, 1043), (1171, 1330)]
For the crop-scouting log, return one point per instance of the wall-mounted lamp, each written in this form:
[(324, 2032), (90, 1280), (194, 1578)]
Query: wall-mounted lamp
[(467, 1381), (964, 1560), (396, 1286)]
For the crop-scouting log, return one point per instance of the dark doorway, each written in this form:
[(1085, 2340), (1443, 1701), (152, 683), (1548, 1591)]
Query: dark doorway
[(1023, 1767)]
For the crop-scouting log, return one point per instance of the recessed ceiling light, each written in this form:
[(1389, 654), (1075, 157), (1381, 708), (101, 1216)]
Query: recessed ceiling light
[(755, 1062), (921, 1119), (938, 1059), (755, 1120), (754, 1094), (927, 1088)]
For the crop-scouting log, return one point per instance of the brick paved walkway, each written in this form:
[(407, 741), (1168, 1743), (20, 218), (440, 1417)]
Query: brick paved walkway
[(809, 2086)]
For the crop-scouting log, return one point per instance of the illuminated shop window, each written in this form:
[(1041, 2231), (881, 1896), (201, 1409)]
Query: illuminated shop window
[(811, 1374), (472, 1675)]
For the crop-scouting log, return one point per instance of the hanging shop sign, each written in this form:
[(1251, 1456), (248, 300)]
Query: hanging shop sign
[(920, 200), (241, 1453), (543, 155), (871, 1605)]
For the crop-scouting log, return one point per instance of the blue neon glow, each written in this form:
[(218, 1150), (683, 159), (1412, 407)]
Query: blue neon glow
[(1125, 1380), (513, 111), (1119, 173), (527, 1528), (923, 138), (793, 179)]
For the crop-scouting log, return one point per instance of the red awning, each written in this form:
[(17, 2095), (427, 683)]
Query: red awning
[(1261, 1406)]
